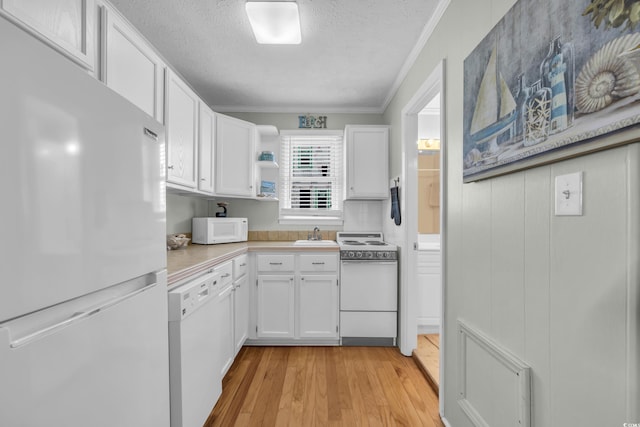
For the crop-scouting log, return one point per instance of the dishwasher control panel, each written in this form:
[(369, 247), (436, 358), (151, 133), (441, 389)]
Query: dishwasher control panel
[(187, 298)]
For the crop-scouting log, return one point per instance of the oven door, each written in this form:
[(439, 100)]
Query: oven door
[(368, 286)]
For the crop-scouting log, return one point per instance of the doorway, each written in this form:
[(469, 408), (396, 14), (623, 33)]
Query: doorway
[(411, 307), (427, 352)]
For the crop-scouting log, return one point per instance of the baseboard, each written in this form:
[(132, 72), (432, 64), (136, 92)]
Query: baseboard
[(291, 342), (428, 329), (445, 421)]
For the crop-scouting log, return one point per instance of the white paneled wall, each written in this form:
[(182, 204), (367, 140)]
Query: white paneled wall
[(561, 294)]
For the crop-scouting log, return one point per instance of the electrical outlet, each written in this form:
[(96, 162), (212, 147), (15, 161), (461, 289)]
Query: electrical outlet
[(569, 194)]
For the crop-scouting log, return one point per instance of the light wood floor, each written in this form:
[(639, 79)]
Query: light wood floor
[(427, 357), (325, 386)]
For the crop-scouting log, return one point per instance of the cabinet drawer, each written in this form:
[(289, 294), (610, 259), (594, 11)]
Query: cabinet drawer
[(278, 262), (240, 265), (319, 263), (226, 274)]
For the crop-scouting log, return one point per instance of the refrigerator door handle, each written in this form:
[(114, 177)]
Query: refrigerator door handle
[(39, 324)]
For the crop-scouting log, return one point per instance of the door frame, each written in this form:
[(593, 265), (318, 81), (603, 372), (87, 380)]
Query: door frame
[(434, 84)]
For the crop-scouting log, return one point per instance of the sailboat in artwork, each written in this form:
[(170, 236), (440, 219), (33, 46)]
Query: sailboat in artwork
[(495, 108)]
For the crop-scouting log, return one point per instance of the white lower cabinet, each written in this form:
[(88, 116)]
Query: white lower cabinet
[(318, 306), (240, 302), (296, 298), (224, 303), (275, 304)]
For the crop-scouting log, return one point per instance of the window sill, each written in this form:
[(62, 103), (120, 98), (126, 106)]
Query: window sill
[(318, 220)]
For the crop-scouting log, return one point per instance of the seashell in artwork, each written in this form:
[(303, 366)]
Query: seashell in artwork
[(608, 75)]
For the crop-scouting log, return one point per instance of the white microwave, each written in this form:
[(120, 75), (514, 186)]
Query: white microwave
[(211, 231)]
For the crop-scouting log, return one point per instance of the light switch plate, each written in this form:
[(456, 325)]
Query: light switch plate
[(569, 194)]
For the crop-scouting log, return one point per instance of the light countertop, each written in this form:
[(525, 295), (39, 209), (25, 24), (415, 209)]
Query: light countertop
[(193, 259)]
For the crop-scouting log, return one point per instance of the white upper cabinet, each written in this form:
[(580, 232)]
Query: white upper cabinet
[(367, 162), (235, 151), (181, 120), (206, 149), (130, 66), (66, 25)]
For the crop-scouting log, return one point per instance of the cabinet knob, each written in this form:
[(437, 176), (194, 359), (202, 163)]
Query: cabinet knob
[(351, 188), (203, 179), (170, 167)]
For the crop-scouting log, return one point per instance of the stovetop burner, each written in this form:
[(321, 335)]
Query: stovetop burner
[(353, 242), (375, 243)]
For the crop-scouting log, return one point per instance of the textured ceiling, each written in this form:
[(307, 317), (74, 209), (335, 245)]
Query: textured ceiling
[(351, 54)]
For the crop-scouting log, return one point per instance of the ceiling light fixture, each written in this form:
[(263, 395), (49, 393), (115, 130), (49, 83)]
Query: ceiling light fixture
[(274, 22)]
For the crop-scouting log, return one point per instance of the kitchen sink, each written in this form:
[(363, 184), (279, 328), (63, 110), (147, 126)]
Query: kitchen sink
[(315, 243)]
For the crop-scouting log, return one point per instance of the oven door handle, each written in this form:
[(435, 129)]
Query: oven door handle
[(364, 261)]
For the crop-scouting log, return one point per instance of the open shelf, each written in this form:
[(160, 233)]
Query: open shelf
[(266, 199), (267, 164)]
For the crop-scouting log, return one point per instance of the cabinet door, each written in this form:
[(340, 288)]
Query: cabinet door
[(130, 66), (206, 138), (224, 320), (181, 123), (367, 162), (318, 306), (66, 25), (235, 152), (276, 306), (241, 312)]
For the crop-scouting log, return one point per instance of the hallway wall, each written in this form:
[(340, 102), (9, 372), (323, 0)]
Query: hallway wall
[(560, 293)]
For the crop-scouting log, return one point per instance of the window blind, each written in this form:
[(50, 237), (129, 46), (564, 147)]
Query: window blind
[(311, 176)]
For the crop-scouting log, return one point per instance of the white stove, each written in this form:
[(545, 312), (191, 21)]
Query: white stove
[(368, 289)]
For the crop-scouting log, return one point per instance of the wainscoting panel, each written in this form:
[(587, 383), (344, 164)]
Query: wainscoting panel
[(495, 386)]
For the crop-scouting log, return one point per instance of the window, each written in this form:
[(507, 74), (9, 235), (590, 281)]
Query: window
[(311, 177)]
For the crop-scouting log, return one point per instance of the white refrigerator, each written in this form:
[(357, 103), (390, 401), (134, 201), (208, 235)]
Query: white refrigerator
[(83, 301)]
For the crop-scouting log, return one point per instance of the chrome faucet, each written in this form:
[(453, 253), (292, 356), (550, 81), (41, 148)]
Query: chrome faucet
[(316, 234)]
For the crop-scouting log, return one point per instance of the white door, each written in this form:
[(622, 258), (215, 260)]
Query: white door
[(235, 156), (318, 306), (107, 367), (369, 286), (84, 198), (241, 312), (181, 122), (130, 66), (206, 148), (367, 162), (224, 321), (69, 24), (276, 306)]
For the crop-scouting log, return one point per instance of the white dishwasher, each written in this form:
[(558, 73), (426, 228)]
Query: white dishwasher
[(194, 379)]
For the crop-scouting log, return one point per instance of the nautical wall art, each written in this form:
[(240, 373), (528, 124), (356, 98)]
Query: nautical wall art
[(553, 79)]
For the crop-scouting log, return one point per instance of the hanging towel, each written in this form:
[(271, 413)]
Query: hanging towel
[(395, 205)]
